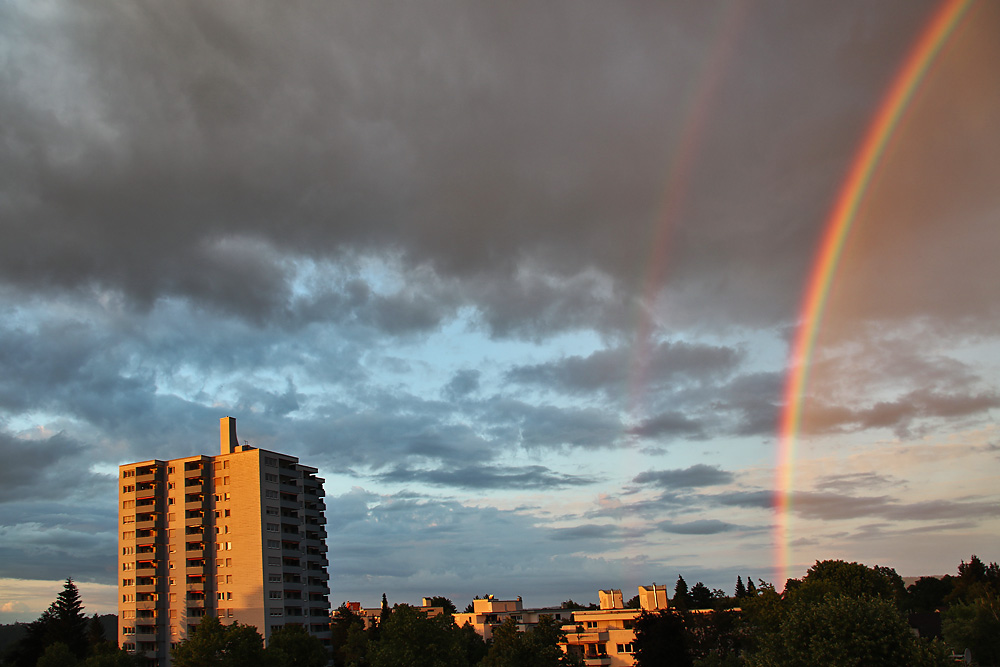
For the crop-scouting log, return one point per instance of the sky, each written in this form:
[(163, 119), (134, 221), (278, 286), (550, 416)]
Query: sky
[(520, 279)]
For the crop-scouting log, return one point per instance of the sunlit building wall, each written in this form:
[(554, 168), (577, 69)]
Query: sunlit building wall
[(240, 536)]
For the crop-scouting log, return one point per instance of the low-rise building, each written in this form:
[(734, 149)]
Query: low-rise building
[(488, 612), (606, 636)]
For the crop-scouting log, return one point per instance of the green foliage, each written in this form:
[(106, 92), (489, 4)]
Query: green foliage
[(109, 655), (57, 655), (538, 646), (63, 622), (293, 646), (408, 637), (215, 645), (927, 594), (837, 577), (347, 648), (841, 630), (633, 602), (975, 626), (661, 640), (471, 645), (715, 638), (701, 596), (682, 599), (741, 590)]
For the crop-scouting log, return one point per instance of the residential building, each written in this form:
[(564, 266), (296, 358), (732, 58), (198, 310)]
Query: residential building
[(370, 616), (488, 612), (606, 636), (240, 536)]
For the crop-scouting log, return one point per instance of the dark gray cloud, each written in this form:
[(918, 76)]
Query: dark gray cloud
[(487, 477), (694, 476), (462, 384), (666, 364), (697, 527), (838, 506)]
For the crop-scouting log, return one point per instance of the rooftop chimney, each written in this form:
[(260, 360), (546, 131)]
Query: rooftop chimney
[(228, 442)]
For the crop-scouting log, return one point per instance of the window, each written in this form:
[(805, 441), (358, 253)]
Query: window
[(128, 473), (274, 560), (277, 611), (217, 466), (270, 477), (229, 562), (275, 595), (225, 480), (128, 550), (170, 501), (128, 582), (272, 511), (128, 504), (591, 624), (271, 461), (171, 516), (273, 544), (274, 578), (170, 470), (171, 485), (173, 614), (128, 566), (270, 493), (128, 488), (226, 512), (273, 528), (625, 648), (128, 535)]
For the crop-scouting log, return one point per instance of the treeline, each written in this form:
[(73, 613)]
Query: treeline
[(63, 636), (839, 613), (407, 637)]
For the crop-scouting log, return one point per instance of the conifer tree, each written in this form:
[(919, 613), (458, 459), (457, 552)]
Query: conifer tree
[(682, 600), (741, 590), (751, 589)]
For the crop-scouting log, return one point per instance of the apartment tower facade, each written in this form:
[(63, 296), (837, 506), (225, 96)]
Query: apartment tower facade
[(240, 536)]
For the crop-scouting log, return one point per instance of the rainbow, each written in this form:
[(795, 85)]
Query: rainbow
[(838, 225)]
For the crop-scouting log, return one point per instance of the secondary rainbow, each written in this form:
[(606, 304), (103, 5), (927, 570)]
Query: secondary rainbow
[(836, 229)]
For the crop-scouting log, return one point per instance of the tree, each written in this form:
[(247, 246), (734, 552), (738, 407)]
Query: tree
[(293, 646), (843, 630), (682, 600), (927, 594), (345, 647), (661, 640), (633, 602), (215, 645), (975, 626), (842, 578), (741, 590), (701, 596), (57, 654), (408, 637), (64, 621), (537, 646), (751, 589)]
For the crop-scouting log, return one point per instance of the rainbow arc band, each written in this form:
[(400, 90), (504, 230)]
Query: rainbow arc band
[(838, 225)]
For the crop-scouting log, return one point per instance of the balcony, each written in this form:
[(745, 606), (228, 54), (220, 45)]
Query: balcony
[(193, 469), (194, 520), (146, 588), (145, 632), (146, 604)]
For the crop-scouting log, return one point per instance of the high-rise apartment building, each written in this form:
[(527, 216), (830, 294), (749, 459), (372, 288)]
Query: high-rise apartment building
[(240, 536)]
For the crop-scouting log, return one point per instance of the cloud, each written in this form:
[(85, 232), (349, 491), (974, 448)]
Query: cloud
[(697, 475), (462, 384), (698, 527), (487, 477), (667, 364)]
